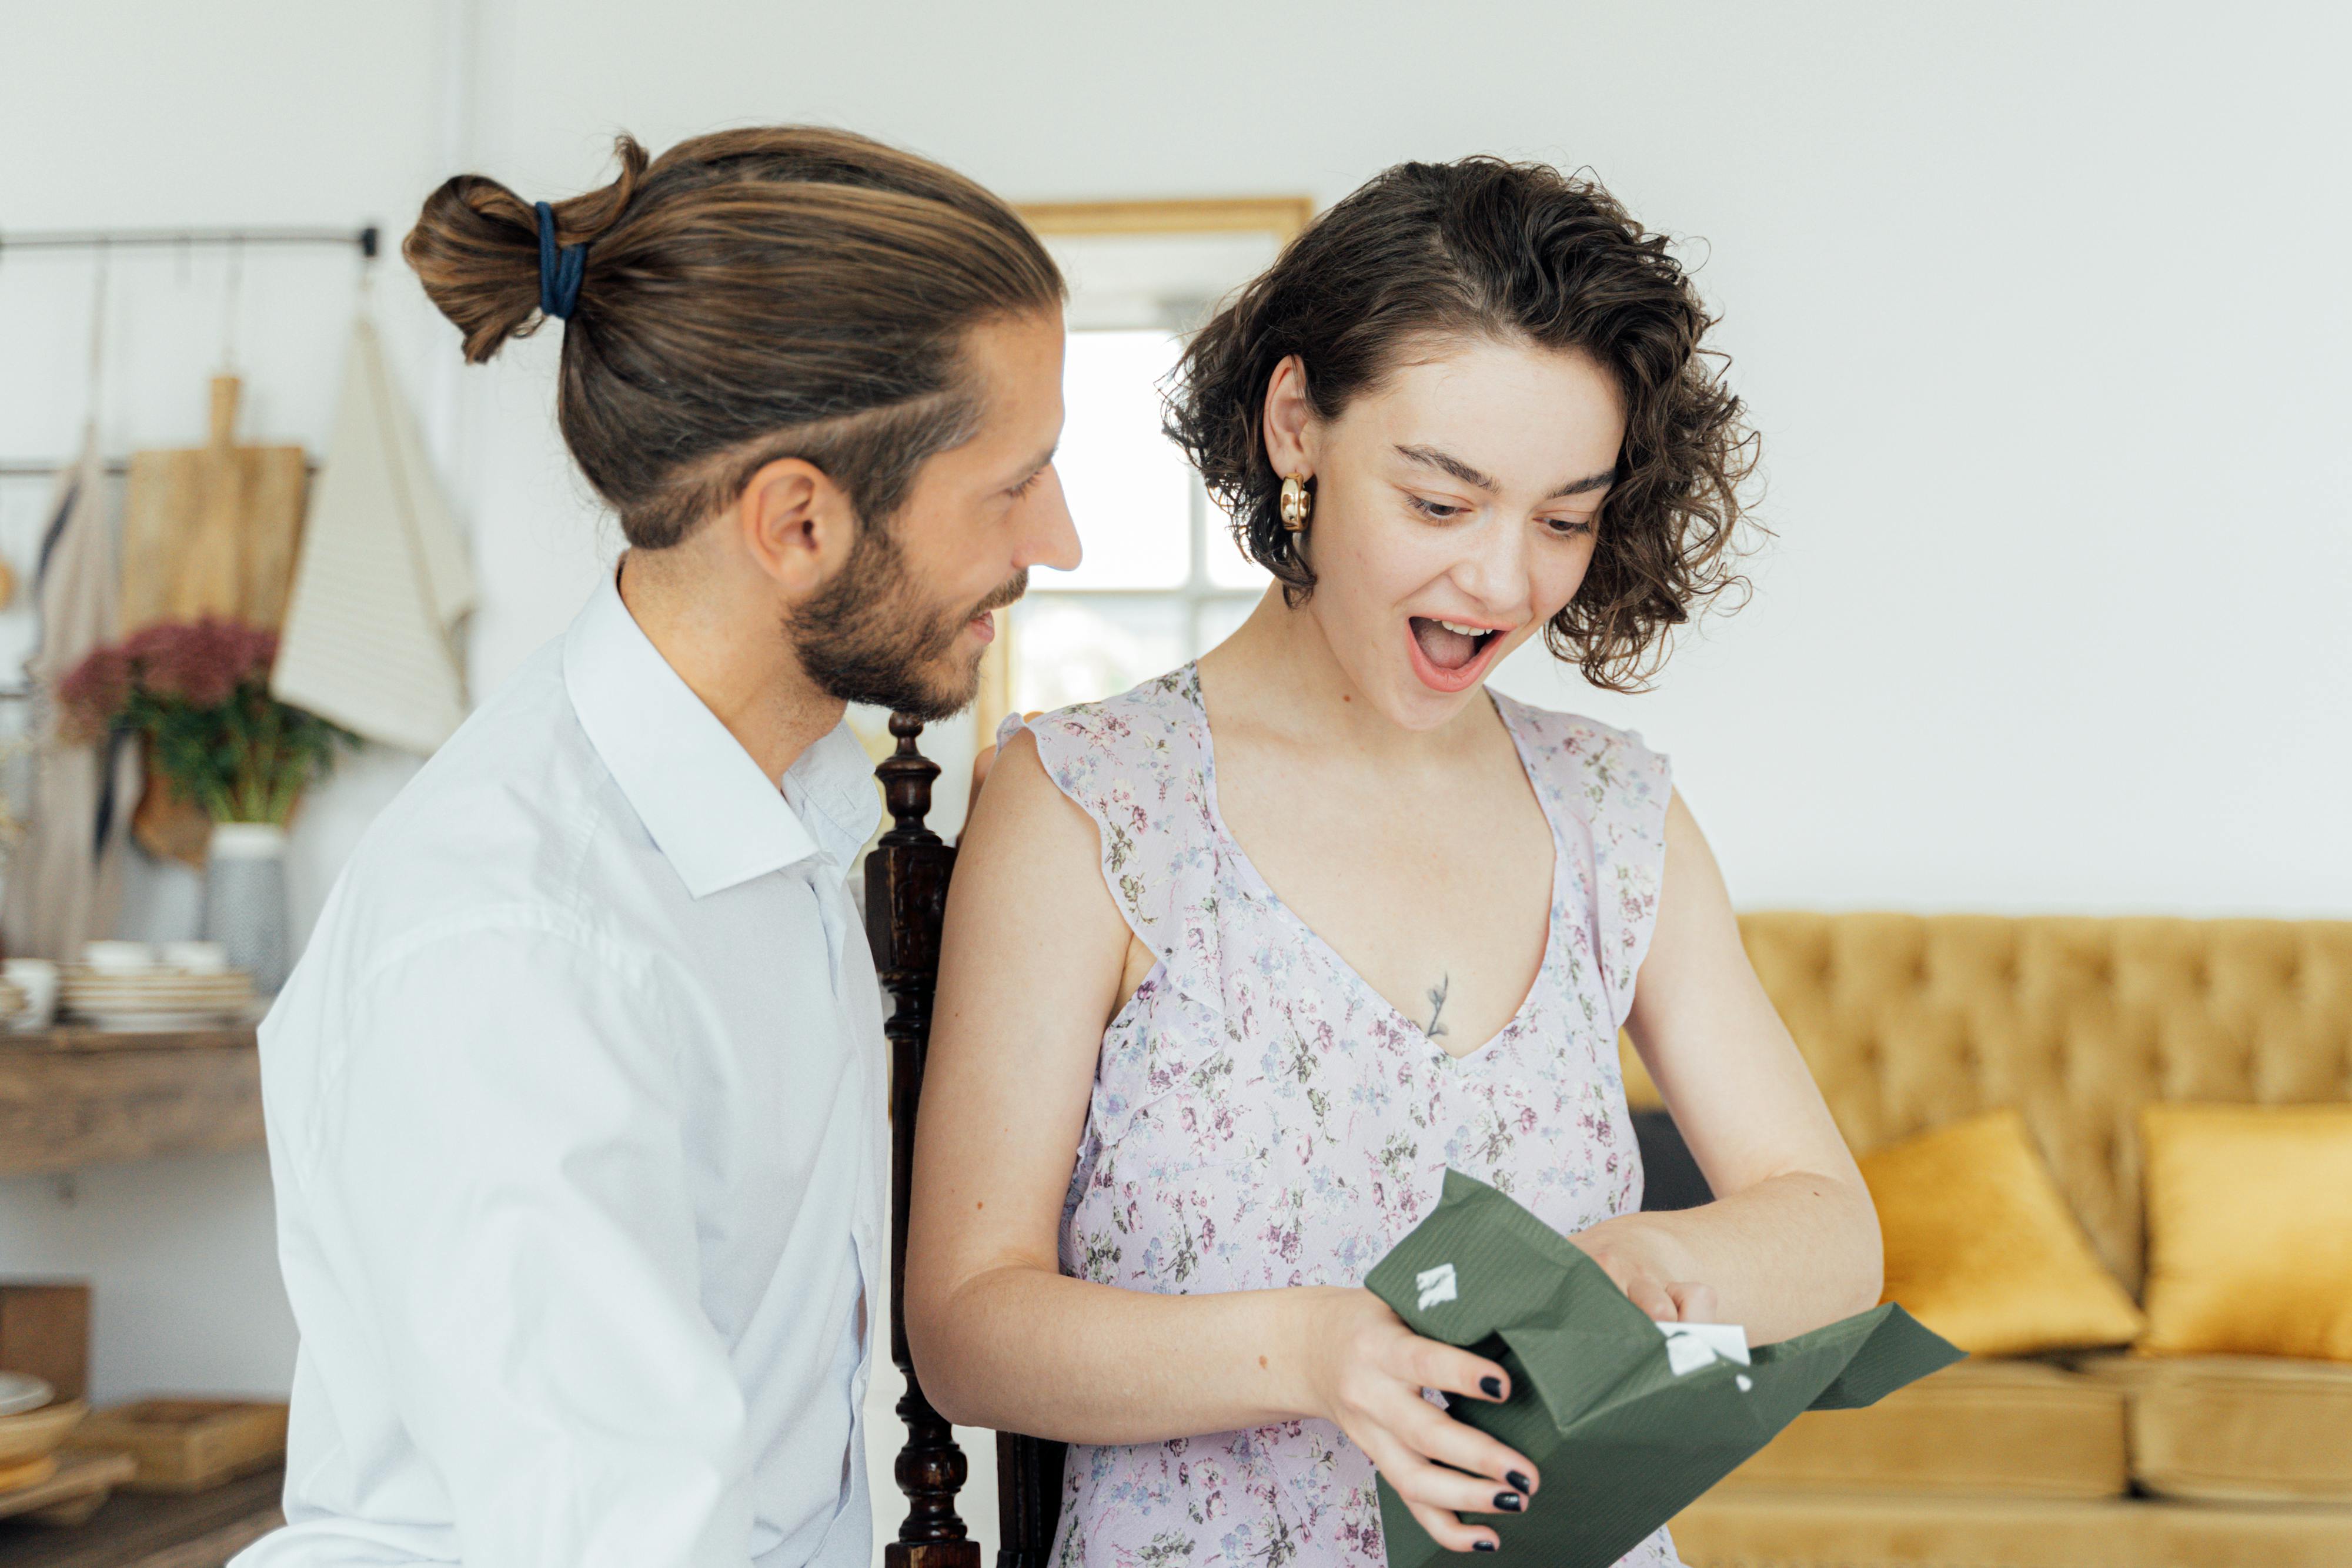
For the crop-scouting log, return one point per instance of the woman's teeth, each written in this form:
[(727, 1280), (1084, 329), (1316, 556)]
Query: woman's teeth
[(1465, 630)]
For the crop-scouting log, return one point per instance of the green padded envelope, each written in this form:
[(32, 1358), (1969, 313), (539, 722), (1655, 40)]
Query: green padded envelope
[(1624, 1440)]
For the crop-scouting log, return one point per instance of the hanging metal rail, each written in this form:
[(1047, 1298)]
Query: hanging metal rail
[(368, 239)]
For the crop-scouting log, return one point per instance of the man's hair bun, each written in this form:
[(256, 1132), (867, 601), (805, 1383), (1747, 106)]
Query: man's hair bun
[(476, 249), (783, 292)]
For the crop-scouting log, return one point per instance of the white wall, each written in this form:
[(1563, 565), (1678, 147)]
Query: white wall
[(2041, 310), (157, 116), (2038, 308)]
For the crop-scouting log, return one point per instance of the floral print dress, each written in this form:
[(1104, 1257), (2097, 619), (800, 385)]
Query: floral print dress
[(1261, 1117)]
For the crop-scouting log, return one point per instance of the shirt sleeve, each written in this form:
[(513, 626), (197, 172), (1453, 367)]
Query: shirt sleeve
[(501, 1168)]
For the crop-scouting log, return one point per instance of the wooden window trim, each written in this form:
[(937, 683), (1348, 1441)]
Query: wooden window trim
[(1282, 215)]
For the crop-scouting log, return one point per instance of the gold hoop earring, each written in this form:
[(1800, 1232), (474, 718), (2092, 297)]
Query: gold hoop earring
[(1298, 505)]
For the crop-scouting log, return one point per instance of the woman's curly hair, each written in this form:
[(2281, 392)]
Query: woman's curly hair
[(1518, 253)]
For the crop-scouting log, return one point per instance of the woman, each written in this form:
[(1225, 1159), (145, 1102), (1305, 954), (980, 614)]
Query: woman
[(1275, 939)]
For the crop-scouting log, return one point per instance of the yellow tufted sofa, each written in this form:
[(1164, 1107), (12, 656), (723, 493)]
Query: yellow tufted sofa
[(2102, 1461)]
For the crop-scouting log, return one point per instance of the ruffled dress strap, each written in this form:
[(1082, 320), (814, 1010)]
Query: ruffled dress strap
[(1135, 763), (1605, 788)]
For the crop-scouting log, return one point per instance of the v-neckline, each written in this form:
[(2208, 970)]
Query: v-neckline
[(1339, 962)]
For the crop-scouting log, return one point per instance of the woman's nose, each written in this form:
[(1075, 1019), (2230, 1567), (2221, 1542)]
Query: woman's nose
[(1494, 569), (1049, 536)]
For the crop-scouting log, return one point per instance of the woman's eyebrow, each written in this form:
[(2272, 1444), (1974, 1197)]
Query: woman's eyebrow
[(1590, 483), (1445, 462)]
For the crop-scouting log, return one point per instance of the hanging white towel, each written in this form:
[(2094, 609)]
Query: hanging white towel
[(370, 634), (65, 878)]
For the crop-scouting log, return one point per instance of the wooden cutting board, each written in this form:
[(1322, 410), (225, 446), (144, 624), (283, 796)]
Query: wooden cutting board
[(206, 531), (211, 530), (166, 824)]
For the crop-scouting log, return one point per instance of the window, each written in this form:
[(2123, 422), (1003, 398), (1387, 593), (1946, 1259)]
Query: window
[(1162, 580)]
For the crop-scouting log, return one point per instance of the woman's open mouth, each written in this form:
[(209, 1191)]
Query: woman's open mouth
[(1451, 655)]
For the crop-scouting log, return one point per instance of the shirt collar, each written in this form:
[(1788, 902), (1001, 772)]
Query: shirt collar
[(712, 813), (830, 786)]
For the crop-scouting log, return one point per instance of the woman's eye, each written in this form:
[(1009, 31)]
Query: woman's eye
[(1569, 528), (1436, 511)]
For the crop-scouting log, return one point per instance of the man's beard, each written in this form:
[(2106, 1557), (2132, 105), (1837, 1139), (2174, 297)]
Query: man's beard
[(871, 635)]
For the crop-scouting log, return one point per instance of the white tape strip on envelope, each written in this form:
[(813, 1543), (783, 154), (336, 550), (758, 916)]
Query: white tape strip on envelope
[(1690, 1346), (1437, 1286)]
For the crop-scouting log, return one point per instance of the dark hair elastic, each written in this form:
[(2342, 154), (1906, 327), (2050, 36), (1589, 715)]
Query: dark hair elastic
[(559, 270)]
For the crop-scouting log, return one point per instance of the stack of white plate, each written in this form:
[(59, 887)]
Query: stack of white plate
[(155, 999)]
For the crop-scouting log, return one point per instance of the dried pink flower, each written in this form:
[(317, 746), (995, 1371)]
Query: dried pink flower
[(198, 692), (93, 693), (201, 662)]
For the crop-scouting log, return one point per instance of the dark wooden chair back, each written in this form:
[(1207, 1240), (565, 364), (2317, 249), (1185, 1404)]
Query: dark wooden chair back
[(905, 899)]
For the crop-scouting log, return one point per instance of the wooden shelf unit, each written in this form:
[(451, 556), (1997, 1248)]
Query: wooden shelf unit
[(73, 1096), (202, 1530)]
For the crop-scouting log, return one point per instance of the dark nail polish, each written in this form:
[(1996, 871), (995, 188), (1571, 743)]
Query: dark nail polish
[(1482, 1544), (1509, 1503), (1518, 1481), (1492, 1387)]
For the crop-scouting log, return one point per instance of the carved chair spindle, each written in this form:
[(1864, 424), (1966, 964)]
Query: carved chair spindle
[(905, 899)]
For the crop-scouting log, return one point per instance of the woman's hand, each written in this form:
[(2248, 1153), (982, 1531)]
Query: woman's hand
[(1651, 1267), (1363, 1370)]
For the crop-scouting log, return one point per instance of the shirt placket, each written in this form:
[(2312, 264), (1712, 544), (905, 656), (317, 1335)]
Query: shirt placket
[(834, 916)]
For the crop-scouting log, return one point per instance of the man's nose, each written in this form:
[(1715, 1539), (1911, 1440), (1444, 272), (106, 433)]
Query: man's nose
[(1049, 536)]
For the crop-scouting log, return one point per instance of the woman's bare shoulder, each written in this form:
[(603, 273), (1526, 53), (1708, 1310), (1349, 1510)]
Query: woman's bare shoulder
[(1020, 816)]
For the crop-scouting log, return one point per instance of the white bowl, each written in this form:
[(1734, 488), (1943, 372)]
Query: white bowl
[(37, 978), (196, 958), (119, 957)]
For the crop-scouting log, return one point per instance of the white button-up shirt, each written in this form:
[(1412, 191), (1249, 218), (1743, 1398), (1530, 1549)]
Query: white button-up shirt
[(576, 1122)]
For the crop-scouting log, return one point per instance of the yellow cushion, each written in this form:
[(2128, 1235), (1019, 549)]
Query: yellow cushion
[(1980, 1245), (1986, 1428), (1842, 1530), (2234, 1428), (2249, 1230)]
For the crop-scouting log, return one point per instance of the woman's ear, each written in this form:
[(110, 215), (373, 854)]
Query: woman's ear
[(796, 525), (1289, 421)]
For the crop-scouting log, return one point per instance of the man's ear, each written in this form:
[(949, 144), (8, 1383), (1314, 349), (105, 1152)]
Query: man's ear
[(1287, 425), (797, 524)]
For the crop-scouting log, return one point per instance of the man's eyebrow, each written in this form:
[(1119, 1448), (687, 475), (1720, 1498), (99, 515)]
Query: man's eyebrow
[(1038, 467), (1445, 462)]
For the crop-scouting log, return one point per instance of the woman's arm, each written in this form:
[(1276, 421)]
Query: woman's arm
[(1030, 973), (1791, 1241)]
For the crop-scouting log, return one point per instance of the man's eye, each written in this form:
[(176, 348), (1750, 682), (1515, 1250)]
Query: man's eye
[(1023, 488)]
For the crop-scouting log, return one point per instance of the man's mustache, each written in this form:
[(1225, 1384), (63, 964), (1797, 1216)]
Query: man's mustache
[(1014, 587)]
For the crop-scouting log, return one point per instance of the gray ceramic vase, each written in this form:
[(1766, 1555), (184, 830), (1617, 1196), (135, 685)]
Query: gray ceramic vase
[(244, 901)]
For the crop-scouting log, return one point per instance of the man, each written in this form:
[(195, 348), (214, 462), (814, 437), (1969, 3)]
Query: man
[(575, 1102)]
